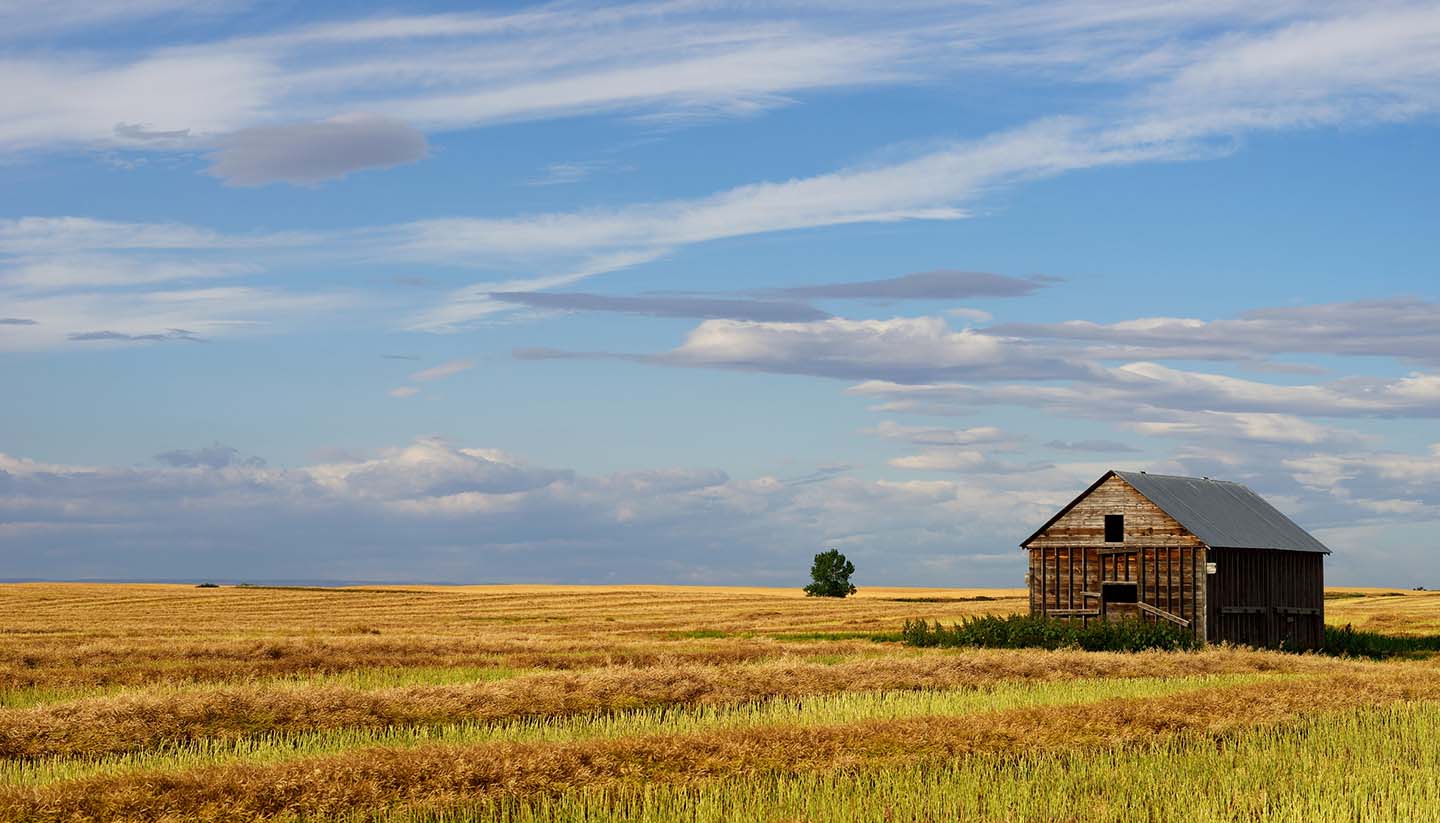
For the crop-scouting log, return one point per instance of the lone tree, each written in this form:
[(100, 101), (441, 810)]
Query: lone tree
[(831, 574)]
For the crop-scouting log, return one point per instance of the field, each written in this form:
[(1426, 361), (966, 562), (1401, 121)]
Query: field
[(530, 703)]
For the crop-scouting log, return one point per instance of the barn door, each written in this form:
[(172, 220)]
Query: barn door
[(1119, 584)]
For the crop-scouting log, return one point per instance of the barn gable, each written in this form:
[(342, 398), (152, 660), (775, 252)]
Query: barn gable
[(1082, 522)]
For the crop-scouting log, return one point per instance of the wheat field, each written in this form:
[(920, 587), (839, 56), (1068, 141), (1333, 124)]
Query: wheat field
[(528, 703)]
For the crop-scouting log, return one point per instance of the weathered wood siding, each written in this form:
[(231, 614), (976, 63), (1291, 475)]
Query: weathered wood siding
[(1265, 597), (1145, 523), (1070, 559)]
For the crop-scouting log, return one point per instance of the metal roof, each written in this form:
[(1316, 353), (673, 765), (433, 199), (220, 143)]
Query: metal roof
[(1222, 514)]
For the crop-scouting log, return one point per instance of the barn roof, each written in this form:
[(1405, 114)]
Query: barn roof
[(1222, 514)]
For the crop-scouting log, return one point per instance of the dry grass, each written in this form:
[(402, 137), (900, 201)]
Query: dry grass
[(171, 702), (383, 777), (72, 636), (132, 722), (1366, 765), (1392, 611)]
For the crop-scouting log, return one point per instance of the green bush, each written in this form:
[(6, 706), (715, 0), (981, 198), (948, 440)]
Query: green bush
[(1347, 642), (1033, 632)]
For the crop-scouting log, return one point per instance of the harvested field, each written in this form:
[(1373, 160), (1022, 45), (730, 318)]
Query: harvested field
[(616, 703)]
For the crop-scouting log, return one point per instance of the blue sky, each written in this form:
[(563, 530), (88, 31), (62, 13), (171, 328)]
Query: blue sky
[(685, 292)]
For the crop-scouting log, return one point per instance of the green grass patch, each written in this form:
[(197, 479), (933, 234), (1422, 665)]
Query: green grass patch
[(979, 598), (1019, 631), (698, 634), (1348, 642), (877, 637)]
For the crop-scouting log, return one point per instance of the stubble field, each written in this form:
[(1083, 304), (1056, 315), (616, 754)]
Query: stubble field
[(150, 702)]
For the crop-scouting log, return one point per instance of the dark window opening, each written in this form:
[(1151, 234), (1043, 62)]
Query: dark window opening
[(1114, 528), (1119, 592)]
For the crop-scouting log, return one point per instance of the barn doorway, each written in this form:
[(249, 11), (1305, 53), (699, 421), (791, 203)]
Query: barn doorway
[(1119, 589)]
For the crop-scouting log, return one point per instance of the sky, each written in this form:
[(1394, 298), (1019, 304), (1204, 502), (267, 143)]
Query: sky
[(686, 292)]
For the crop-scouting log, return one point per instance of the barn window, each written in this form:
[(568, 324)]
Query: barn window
[(1114, 528), (1119, 593)]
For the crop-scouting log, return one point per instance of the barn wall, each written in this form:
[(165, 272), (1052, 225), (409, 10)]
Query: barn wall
[(1263, 597), (1064, 582), (1070, 558)]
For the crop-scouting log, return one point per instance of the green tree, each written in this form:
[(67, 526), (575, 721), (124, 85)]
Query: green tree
[(831, 574)]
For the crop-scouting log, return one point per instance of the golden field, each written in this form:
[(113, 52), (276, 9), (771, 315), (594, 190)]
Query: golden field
[(163, 702)]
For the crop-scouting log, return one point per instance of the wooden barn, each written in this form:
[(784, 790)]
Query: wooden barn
[(1207, 555)]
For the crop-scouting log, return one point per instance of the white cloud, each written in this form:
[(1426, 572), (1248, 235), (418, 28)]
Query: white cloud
[(935, 436), (65, 272), (35, 236), (404, 391), (904, 349), (1150, 391), (442, 371)]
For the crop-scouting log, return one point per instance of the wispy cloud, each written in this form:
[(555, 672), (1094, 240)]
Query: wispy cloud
[(560, 174), (442, 371), (667, 306), (1236, 68), (1396, 327), (1096, 446), (931, 285), (152, 337)]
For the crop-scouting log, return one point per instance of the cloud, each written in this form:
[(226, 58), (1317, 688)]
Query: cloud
[(63, 272), (942, 284), (142, 316), (137, 131), (1234, 67), (901, 349), (969, 461), (703, 307), (935, 436), (1101, 446), (442, 371), (1397, 327), (34, 237), (16, 321), (473, 514), (562, 174), (1141, 391), (1237, 70), (29, 17), (307, 153), (404, 391), (905, 349), (152, 337), (217, 456), (974, 315)]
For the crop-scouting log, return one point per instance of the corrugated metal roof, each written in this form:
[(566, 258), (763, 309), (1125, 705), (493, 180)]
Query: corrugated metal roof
[(1222, 514)]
